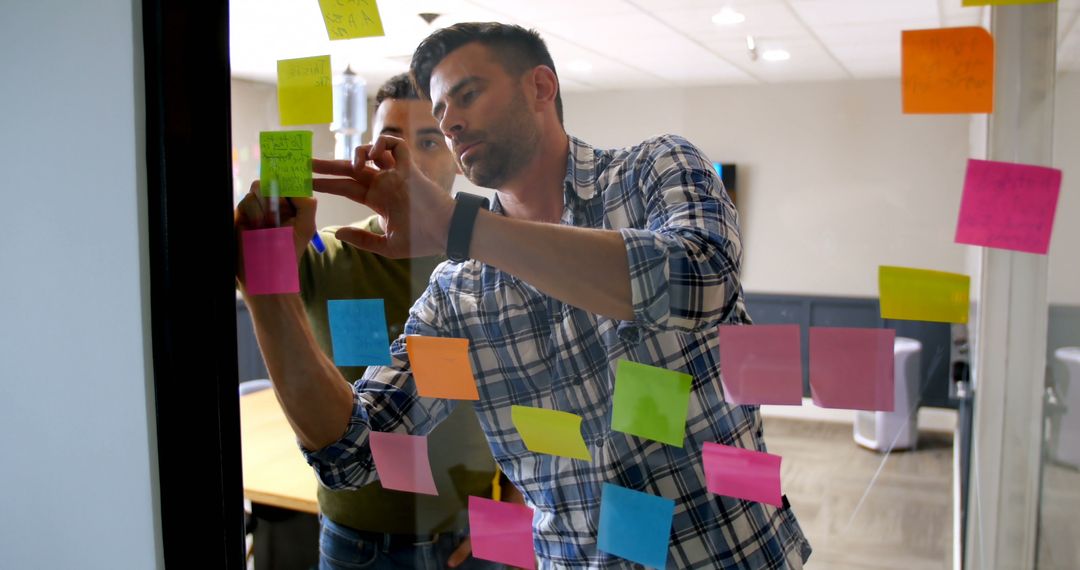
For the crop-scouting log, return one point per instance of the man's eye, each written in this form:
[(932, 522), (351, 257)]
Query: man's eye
[(429, 144), (468, 96)]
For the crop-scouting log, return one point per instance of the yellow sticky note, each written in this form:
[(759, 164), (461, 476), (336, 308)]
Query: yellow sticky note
[(923, 295), (347, 19), (1003, 2), (305, 92), (550, 431)]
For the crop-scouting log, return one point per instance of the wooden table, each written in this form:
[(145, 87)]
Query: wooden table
[(275, 472)]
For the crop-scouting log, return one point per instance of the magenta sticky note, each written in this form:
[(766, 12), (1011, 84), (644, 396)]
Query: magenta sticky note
[(1008, 206), (742, 473), (761, 364), (852, 368), (402, 462), (502, 532), (270, 261)]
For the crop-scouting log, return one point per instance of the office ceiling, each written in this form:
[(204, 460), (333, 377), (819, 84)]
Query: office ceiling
[(619, 44)]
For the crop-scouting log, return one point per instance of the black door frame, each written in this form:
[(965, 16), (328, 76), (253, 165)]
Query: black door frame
[(192, 289)]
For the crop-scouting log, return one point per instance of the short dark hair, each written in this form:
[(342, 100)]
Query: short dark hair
[(399, 86), (517, 49)]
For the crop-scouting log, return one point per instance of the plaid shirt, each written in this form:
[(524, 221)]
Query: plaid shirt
[(682, 242)]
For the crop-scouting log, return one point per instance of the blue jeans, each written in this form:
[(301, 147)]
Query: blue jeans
[(343, 548)]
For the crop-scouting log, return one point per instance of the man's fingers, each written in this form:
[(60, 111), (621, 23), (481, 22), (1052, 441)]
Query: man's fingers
[(397, 148), (460, 554), (332, 167), (363, 239)]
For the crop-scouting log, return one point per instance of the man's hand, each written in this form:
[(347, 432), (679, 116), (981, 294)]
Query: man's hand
[(460, 554), (415, 211), (255, 212)]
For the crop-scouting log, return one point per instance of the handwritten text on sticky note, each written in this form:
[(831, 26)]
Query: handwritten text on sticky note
[(852, 368), (550, 431), (923, 295), (742, 473), (270, 261), (761, 364), (358, 332), (441, 367), (650, 402), (402, 462), (305, 91), (635, 525), (285, 164), (347, 19), (949, 70), (501, 532), (1008, 206)]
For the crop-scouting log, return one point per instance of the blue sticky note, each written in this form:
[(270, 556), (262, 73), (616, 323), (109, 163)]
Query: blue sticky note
[(358, 332), (634, 525)]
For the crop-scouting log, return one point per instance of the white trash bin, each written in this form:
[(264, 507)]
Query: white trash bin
[(898, 429), (1065, 442)]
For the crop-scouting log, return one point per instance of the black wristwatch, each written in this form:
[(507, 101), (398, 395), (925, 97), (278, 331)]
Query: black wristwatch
[(461, 225)]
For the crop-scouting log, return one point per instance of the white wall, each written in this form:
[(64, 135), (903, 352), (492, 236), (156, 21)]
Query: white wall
[(78, 483), (1064, 271), (832, 179)]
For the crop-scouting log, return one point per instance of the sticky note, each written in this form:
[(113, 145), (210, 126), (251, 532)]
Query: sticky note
[(635, 525), (1003, 2), (852, 368), (501, 532), (402, 462), (1008, 206), (441, 367), (761, 364), (347, 19), (948, 70), (650, 402), (550, 431), (742, 473), (305, 91), (285, 164), (923, 295), (270, 261), (358, 332)]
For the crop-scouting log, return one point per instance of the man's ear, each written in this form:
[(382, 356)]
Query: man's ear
[(543, 86)]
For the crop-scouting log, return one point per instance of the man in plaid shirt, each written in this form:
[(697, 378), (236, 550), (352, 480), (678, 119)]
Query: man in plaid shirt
[(587, 257)]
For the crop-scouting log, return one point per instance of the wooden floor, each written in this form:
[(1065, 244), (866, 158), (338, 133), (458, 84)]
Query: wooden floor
[(904, 521)]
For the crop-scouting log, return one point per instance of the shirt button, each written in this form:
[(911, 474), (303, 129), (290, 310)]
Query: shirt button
[(599, 443)]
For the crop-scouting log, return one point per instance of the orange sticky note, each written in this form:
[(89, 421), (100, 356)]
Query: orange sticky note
[(948, 70), (441, 367)]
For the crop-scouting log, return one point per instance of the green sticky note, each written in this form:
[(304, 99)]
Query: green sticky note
[(550, 431), (923, 295), (651, 402), (285, 164), (1003, 2), (305, 91), (347, 19)]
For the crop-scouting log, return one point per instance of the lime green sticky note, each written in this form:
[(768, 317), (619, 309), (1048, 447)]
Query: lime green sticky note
[(1003, 2), (285, 164), (923, 295), (550, 431), (651, 402), (305, 92), (347, 19)]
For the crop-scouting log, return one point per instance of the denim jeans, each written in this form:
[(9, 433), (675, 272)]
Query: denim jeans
[(342, 548)]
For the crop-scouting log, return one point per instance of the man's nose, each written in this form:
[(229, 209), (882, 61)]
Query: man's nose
[(452, 124)]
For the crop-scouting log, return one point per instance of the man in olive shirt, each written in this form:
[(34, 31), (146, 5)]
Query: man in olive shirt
[(374, 527)]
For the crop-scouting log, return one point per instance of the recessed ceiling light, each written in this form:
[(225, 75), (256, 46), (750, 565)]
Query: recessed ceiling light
[(580, 66), (727, 16), (776, 55)]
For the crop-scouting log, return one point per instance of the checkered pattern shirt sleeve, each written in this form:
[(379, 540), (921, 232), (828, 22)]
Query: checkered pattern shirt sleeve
[(526, 348)]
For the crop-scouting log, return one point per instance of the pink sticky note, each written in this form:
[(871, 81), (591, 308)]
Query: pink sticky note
[(761, 364), (270, 261), (742, 473), (502, 532), (852, 368), (402, 462), (1008, 206)]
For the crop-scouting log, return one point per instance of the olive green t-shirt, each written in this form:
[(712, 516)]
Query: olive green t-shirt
[(461, 460)]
